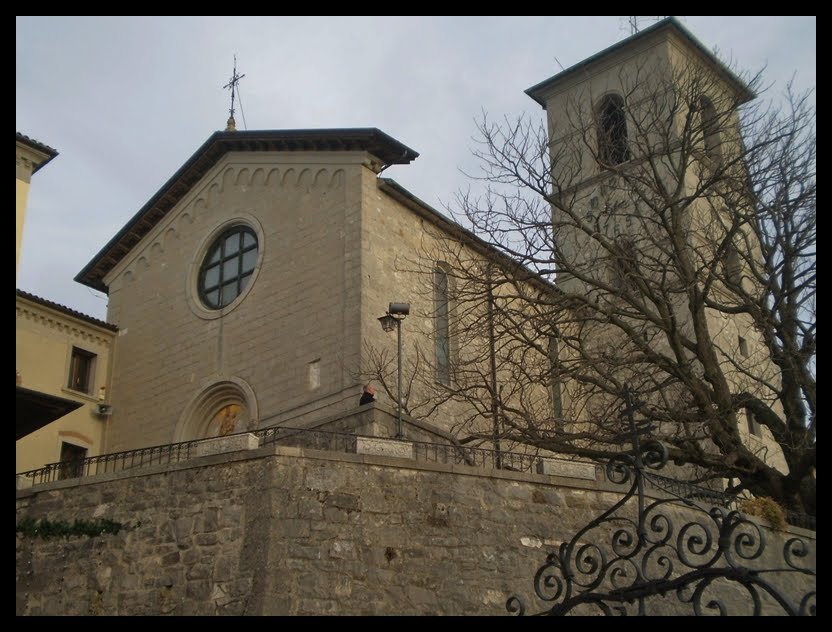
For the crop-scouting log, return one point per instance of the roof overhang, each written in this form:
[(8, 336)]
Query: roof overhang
[(42, 153), (64, 310), (34, 410), (385, 148), (539, 91)]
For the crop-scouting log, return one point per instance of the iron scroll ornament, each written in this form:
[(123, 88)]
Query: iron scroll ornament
[(633, 555)]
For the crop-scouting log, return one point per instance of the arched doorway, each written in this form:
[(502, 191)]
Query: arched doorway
[(221, 407)]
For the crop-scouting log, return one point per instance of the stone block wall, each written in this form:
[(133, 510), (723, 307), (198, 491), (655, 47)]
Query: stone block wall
[(288, 531)]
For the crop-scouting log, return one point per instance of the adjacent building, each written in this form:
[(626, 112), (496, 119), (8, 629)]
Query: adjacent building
[(62, 360)]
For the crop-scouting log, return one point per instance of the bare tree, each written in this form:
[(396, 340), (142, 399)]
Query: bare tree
[(683, 267)]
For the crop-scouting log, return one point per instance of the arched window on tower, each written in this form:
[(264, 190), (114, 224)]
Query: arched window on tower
[(612, 131)]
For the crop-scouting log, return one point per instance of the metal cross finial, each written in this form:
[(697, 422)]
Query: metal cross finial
[(232, 85)]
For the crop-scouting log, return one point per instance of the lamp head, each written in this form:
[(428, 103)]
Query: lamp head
[(402, 309), (388, 322)]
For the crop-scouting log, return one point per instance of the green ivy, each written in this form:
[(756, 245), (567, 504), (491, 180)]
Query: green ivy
[(46, 529)]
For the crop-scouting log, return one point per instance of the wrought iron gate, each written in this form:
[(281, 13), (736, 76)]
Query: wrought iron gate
[(634, 559)]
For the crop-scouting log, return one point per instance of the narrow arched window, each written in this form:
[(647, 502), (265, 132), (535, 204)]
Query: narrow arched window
[(612, 131), (710, 130), (441, 293), (555, 379)]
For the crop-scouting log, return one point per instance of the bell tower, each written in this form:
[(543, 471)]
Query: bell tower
[(656, 110), (652, 218)]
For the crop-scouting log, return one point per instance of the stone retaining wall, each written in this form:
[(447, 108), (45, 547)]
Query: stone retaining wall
[(281, 530)]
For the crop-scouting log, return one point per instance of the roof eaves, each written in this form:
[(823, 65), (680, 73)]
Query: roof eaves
[(50, 152), (393, 188), (370, 139), (535, 91), (65, 310)]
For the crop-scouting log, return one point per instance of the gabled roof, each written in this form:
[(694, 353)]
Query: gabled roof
[(37, 146), (386, 148), (670, 23), (65, 310)]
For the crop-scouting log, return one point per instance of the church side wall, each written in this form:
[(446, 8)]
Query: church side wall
[(400, 252)]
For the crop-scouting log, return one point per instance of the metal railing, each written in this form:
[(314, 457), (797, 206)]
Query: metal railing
[(345, 442), (325, 440), (176, 452), (690, 491), (474, 457), (422, 450), (113, 462), (683, 489)]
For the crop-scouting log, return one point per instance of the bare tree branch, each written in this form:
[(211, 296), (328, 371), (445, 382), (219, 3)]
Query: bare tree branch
[(682, 266)]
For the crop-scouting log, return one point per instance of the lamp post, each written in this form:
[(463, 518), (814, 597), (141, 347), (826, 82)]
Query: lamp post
[(396, 313)]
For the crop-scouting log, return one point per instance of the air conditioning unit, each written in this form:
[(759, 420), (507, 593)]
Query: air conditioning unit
[(104, 410)]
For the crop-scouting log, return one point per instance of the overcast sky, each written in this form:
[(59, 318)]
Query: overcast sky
[(127, 100)]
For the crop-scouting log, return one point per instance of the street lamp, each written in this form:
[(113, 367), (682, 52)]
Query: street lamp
[(396, 313)]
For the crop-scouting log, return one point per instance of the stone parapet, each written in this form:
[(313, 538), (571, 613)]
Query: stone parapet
[(231, 443), (569, 469), (384, 447)]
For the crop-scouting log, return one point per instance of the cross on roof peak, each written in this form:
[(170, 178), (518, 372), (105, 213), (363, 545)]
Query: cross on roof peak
[(233, 87)]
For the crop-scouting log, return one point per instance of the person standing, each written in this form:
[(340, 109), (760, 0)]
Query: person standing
[(368, 395)]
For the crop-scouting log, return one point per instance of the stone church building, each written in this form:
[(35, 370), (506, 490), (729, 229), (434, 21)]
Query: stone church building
[(247, 290), (247, 294), (247, 283)]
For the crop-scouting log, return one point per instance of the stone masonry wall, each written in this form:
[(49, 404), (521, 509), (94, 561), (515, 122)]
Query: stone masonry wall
[(283, 531)]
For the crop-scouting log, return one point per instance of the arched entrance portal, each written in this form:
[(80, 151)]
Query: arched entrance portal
[(221, 407)]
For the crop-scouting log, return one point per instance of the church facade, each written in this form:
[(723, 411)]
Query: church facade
[(248, 290)]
